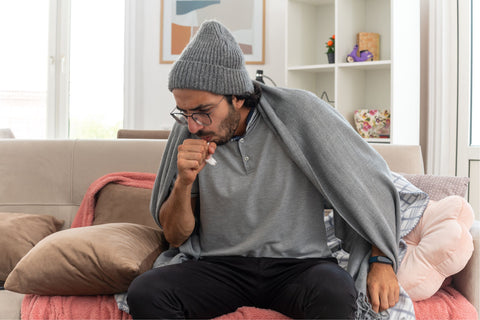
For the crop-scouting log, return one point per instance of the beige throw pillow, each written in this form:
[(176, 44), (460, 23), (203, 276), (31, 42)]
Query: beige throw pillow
[(92, 260), (119, 203), (19, 232)]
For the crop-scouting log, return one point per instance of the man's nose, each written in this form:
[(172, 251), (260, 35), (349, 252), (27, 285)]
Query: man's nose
[(193, 126)]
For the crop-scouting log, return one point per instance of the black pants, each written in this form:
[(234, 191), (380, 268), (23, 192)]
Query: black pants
[(210, 287)]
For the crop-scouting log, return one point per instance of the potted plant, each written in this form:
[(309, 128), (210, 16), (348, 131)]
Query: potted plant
[(330, 44)]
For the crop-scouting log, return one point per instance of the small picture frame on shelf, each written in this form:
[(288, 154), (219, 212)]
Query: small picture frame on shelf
[(372, 123), (369, 41)]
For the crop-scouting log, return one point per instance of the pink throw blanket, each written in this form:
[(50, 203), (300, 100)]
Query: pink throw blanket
[(36, 307), (246, 313), (71, 307), (446, 303)]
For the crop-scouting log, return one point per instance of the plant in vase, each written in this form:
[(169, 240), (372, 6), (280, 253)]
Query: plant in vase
[(330, 44)]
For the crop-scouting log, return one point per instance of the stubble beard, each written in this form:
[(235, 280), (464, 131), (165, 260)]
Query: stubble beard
[(227, 128)]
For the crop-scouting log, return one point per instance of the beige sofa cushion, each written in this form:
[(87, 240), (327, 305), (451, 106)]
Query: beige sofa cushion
[(35, 172), (402, 158), (19, 233), (95, 158), (10, 305), (119, 203), (52, 176), (92, 260)]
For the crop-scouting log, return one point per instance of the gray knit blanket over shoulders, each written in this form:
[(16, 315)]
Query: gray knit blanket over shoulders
[(348, 172)]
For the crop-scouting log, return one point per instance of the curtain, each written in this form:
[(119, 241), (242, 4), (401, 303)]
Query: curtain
[(442, 87)]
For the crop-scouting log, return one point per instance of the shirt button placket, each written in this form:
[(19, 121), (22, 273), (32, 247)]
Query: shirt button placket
[(246, 158)]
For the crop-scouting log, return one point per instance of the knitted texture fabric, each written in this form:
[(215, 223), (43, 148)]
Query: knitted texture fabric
[(213, 62)]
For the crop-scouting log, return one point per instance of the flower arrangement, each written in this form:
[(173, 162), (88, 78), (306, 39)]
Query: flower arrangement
[(330, 44)]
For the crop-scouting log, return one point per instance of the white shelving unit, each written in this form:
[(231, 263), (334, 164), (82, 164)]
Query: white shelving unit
[(392, 82)]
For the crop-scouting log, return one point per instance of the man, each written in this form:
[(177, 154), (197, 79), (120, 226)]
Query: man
[(251, 228)]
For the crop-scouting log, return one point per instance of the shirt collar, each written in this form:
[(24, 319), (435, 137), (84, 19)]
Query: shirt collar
[(251, 118)]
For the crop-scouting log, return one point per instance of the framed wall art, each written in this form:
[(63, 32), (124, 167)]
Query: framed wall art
[(180, 20)]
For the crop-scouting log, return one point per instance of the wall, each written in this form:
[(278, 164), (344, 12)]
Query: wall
[(151, 99)]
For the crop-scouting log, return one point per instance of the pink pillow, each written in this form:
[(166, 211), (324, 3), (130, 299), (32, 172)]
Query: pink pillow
[(439, 246)]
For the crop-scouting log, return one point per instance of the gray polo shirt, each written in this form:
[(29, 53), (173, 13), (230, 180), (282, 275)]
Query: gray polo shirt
[(256, 201)]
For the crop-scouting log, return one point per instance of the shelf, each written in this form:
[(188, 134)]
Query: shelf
[(389, 83), (313, 68), (378, 140), (367, 65), (310, 25), (316, 2)]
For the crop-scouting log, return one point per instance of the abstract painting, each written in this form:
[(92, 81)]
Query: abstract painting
[(180, 20)]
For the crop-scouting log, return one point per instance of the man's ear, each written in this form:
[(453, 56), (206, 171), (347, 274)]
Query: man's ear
[(237, 103)]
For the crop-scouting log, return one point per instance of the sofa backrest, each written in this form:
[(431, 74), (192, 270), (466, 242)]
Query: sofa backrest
[(402, 158), (142, 134), (52, 176)]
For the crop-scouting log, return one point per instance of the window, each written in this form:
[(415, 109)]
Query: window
[(62, 66), (475, 70), (24, 67), (96, 68), (468, 131)]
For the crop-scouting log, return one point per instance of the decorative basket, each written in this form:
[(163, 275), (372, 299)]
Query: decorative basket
[(372, 123)]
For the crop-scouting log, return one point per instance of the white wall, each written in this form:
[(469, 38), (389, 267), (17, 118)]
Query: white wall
[(151, 100)]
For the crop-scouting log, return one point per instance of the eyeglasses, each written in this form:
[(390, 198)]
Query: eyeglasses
[(202, 118)]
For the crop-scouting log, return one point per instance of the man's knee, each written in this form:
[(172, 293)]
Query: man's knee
[(334, 289), (139, 294), (334, 281), (148, 296)]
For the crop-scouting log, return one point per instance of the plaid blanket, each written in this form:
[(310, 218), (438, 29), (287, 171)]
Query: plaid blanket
[(413, 203)]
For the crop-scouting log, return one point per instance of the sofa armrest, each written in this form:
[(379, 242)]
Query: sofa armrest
[(467, 281)]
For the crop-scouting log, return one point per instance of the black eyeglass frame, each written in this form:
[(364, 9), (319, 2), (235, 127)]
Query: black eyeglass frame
[(182, 118)]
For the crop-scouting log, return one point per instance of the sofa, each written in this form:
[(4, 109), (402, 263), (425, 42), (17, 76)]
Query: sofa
[(52, 178)]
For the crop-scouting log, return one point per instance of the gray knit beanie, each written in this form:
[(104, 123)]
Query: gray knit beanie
[(212, 61)]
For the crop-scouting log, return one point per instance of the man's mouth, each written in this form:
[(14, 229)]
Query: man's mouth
[(206, 136)]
